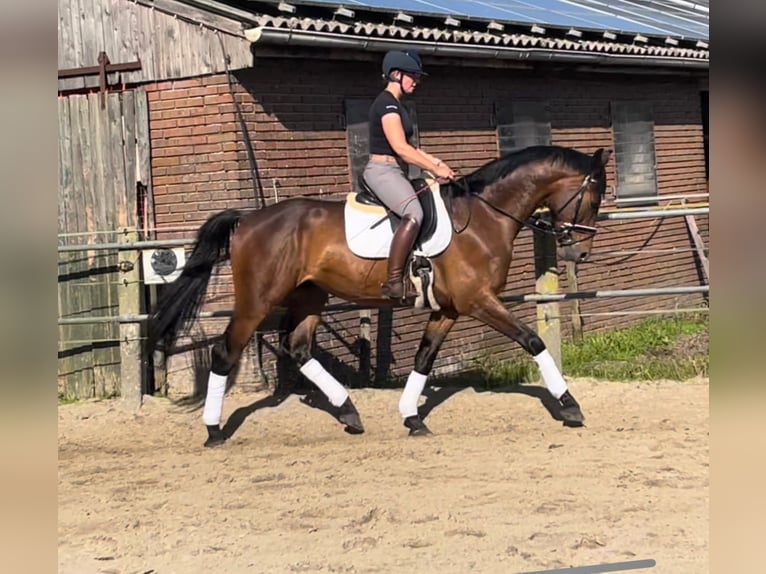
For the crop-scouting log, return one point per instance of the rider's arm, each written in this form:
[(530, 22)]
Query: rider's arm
[(392, 127)]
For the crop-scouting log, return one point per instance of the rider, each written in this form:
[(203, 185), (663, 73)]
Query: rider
[(390, 153)]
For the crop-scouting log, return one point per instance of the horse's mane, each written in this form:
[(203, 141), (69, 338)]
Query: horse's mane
[(497, 169)]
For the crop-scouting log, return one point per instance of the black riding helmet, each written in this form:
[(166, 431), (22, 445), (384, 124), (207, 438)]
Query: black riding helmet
[(407, 61)]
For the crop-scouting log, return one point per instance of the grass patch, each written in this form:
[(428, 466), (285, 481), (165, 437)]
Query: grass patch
[(67, 400), (674, 348), (659, 348)]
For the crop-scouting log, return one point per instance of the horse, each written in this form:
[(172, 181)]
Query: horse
[(294, 254)]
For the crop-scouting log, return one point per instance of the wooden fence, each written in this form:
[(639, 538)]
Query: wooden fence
[(104, 181)]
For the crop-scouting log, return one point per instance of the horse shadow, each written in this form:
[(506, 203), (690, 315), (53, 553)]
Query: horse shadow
[(440, 390), (435, 395), (289, 381)]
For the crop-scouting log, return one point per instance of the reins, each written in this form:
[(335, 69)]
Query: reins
[(539, 225), (536, 224)]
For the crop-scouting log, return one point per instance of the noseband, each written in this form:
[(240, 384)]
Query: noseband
[(563, 232)]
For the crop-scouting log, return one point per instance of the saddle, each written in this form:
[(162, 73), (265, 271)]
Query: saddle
[(425, 197), (419, 276)]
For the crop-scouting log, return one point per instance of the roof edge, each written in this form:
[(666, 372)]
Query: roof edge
[(282, 36)]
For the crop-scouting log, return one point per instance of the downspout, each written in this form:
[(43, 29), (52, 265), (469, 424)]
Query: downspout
[(278, 36)]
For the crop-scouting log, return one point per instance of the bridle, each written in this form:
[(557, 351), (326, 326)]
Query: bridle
[(564, 232)]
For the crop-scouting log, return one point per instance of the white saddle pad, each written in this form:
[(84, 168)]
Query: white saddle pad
[(371, 242)]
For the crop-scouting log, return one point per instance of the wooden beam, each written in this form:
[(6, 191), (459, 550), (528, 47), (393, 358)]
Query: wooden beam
[(700, 246), (93, 70)]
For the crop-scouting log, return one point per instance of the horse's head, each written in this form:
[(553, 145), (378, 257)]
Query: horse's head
[(574, 204)]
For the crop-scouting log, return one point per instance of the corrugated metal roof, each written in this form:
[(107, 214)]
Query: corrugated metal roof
[(314, 22), (468, 37), (680, 19)]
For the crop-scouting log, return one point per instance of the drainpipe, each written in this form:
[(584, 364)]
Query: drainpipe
[(279, 36)]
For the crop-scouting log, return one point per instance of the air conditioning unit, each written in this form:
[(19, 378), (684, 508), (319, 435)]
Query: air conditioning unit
[(162, 265)]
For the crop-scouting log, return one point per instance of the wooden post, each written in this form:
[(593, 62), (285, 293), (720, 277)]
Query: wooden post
[(365, 322), (572, 287), (158, 366), (129, 290), (548, 324)]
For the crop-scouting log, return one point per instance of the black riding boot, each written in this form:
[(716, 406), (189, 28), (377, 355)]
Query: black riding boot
[(401, 244)]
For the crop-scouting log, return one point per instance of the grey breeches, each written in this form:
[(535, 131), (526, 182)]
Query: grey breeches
[(389, 183)]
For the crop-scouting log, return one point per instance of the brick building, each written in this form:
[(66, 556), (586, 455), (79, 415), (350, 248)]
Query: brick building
[(249, 103)]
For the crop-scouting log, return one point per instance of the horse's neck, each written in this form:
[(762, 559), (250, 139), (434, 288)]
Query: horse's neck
[(518, 196)]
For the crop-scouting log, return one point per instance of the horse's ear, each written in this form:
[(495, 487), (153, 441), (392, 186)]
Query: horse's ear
[(599, 160)]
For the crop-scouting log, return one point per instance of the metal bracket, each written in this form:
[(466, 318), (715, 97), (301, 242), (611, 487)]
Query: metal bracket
[(103, 68)]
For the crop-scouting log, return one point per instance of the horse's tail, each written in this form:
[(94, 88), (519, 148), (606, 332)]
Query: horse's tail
[(180, 304)]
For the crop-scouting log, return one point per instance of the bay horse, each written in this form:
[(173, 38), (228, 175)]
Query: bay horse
[(293, 254)]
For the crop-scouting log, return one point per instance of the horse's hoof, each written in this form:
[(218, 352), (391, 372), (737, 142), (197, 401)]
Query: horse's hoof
[(349, 416), (570, 411), (417, 426), (214, 436)]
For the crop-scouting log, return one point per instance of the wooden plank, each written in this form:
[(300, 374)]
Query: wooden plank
[(236, 48), (699, 246), (90, 41), (128, 151), (119, 33), (107, 23), (106, 357), (115, 191), (65, 364), (182, 61), (79, 263), (162, 49), (209, 51), (102, 207), (208, 18), (143, 154), (74, 10), (143, 44), (66, 43), (65, 165), (95, 209)]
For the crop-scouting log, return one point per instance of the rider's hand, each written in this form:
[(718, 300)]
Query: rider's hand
[(443, 170)]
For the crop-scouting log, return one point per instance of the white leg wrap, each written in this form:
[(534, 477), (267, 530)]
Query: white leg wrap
[(408, 404), (329, 385), (551, 375), (216, 387)]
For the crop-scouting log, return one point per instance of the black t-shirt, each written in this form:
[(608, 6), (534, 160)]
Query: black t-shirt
[(384, 104)]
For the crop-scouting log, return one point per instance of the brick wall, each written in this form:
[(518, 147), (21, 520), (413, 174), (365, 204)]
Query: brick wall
[(294, 113)]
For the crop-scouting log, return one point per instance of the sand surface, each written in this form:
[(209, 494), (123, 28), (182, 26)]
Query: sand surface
[(500, 487)]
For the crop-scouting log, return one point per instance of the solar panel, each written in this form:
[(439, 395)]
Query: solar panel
[(680, 18)]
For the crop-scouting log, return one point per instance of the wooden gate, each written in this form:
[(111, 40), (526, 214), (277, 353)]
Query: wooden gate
[(104, 176)]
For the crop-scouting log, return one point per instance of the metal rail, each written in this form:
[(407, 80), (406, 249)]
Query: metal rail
[(159, 243), (532, 297)]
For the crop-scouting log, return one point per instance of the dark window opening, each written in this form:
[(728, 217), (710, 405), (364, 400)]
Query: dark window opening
[(358, 136), (705, 105), (522, 124), (635, 159)]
